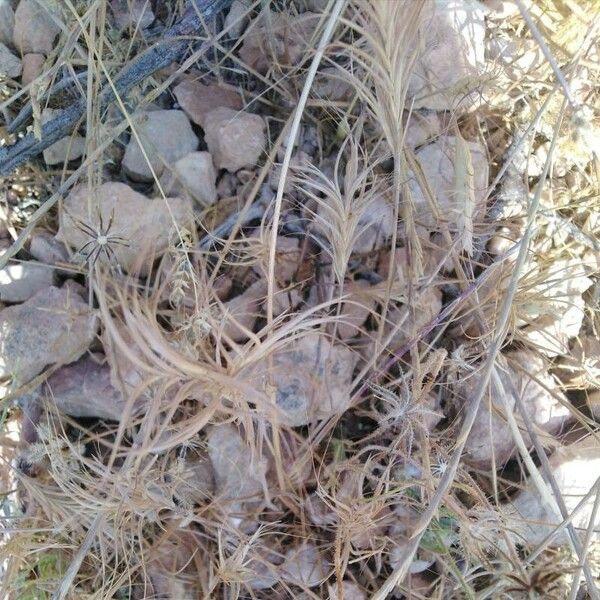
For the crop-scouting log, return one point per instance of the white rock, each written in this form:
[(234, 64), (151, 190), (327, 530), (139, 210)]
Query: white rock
[(235, 139), (450, 55), (54, 327), (197, 99), (134, 13), (35, 27), (491, 437), (437, 160), (517, 56), (575, 469), (66, 149), (84, 389), (145, 224), (45, 248), (7, 22), (21, 281), (304, 565), (166, 136), (194, 174), (10, 65), (33, 65), (311, 377), (239, 473)]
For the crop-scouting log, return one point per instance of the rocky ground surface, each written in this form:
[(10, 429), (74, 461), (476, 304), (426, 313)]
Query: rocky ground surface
[(350, 356)]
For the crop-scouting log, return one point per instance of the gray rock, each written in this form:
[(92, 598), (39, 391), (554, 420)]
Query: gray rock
[(10, 65), (198, 99), (235, 139), (19, 282), (192, 175), (33, 65), (54, 327), (84, 389), (145, 225), (7, 22), (35, 27), (134, 13), (166, 136), (66, 149), (47, 249)]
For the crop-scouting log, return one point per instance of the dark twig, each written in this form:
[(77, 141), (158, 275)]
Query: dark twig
[(159, 56)]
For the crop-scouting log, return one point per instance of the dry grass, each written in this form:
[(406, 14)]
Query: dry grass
[(383, 490)]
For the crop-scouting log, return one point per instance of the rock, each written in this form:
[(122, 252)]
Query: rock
[(422, 127), (35, 27), (593, 401), (491, 438), (355, 310), (437, 160), (10, 65), (235, 139), (132, 13), (146, 225), (33, 66), (450, 55), (350, 591), (311, 377), (575, 469), (192, 479), (581, 367), (278, 37), (553, 310), (285, 300), (66, 149), (330, 84), (239, 473), (287, 257), (53, 327), (517, 56), (166, 136), (242, 311), (19, 282), (47, 249), (84, 389), (304, 566), (192, 175), (197, 99), (236, 19), (7, 22)]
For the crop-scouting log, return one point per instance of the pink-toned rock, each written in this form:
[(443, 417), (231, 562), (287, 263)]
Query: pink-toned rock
[(355, 310), (35, 27), (285, 300), (575, 470), (33, 66), (10, 65), (279, 38), (84, 389), (54, 327), (21, 281), (491, 438), (235, 139), (192, 175), (349, 591), (330, 84), (304, 565), (146, 225), (7, 22), (422, 127), (242, 311), (47, 249), (450, 55), (66, 149), (438, 161), (192, 479), (311, 377), (165, 135), (286, 259), (236, 19), (197, 99), (239, 473), (134, 13)]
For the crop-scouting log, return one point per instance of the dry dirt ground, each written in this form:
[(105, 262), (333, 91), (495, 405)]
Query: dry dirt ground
[(299, 299)]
